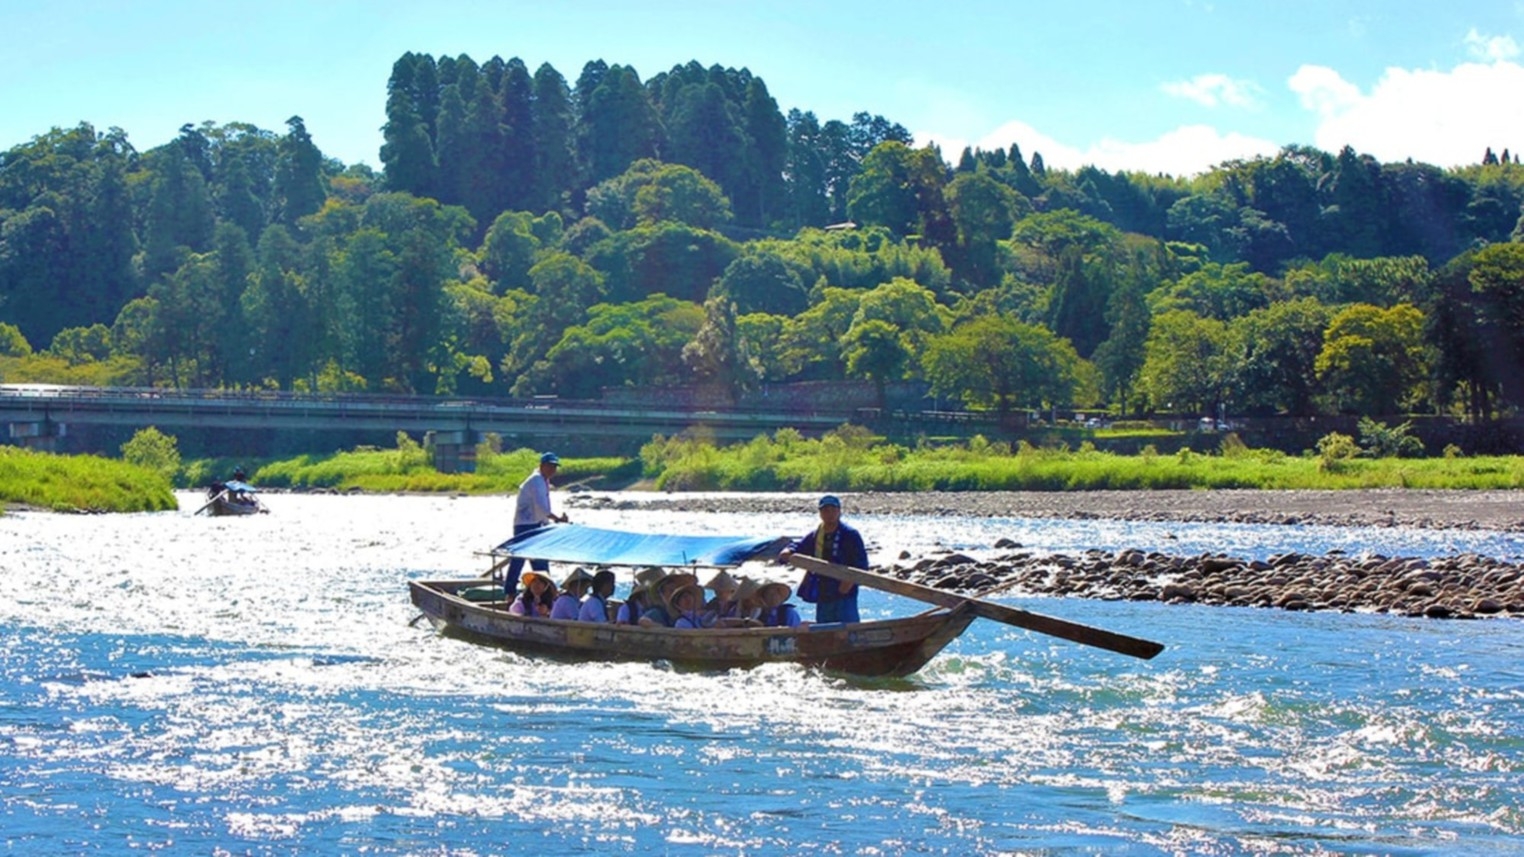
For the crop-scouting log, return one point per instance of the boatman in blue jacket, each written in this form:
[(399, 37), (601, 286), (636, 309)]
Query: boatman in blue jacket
[(531, 512), (832, 541)]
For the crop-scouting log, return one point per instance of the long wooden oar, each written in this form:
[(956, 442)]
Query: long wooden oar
[(1074, 631), (209, 503)]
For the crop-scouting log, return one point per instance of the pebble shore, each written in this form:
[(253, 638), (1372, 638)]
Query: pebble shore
[(1464, 586), (1453, 587)]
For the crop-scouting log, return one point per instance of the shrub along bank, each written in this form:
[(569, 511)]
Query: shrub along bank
[(80, 483)]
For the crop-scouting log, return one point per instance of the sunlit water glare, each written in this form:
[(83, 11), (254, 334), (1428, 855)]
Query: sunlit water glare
[(255, 686)]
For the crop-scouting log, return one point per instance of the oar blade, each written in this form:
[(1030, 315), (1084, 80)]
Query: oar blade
[(1053, 626)]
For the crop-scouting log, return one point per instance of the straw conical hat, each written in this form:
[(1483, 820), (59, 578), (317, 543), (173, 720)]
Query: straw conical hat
[(721, 581)]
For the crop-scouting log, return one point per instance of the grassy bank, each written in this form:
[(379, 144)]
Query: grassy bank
[(69, 483), (408, 469), (854, 461)]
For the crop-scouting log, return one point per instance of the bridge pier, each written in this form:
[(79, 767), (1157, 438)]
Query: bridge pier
[(42, 435), (453, 451)]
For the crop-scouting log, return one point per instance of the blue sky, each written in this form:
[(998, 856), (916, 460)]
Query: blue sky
[(1158, 85)]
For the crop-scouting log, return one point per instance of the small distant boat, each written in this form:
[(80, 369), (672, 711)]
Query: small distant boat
[(889, 647), (232, 498)]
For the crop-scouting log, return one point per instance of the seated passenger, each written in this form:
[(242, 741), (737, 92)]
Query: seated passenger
[(569, 603), (723, 605), (538, 596), (748, 605), (641, 596), (776, 612), (595, 607), (660, 613), (686, 607)]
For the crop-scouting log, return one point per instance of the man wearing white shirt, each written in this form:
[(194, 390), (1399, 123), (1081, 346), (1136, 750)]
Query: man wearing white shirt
[(531, 512)]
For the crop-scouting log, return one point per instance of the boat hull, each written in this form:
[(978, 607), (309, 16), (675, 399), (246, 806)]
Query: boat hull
[(891, 647), (223, 507)]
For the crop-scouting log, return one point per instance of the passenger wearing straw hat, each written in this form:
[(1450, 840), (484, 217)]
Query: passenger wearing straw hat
[(531, 511), (685, 604), (660, 614), (832, 541), (748, 605), (776, 612), (642, 595), (569, 603), (539, 594), (724, 604), (595, 607)]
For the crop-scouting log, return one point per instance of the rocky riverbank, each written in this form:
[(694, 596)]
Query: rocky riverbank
[(1456, 587)]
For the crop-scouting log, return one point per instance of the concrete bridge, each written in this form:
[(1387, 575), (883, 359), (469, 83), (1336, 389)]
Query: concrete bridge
[(43, 415)]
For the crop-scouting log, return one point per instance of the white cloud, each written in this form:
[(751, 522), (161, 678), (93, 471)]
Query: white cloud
[(1323, 90), (1210, 90), (1491, 48), (1446, 118), (1184, 151)]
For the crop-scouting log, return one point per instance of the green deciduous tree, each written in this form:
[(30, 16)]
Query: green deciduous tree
[(874, 350), (763, 281), (902, 188), (509, 251), (1271, 356), (1002, 363), (1373, 359), (1183, 363), (1223, 292), (650, 192), (622, 344), (153, 450)]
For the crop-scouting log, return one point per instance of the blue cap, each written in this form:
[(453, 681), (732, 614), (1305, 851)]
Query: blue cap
[(550, 458), (830, 500)]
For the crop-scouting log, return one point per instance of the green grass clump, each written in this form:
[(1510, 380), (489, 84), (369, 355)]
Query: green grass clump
[(69, 483), (850, 460), (408, 469)]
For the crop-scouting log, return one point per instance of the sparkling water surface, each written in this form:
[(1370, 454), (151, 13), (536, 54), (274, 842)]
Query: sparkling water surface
[(256, 685)]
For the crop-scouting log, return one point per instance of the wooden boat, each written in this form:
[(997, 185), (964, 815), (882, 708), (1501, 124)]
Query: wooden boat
[(232, 498), (890, 647)]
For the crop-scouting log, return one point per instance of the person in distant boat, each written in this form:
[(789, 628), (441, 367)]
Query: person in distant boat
[(832, 541), (686, 607), (569, 603), (660, 614), (532, 511), (538, 596), (595, 607), (642, 596), (776, 611), (724, 604)]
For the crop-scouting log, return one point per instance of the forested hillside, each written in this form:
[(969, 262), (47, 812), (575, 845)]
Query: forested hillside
[(528, 235)]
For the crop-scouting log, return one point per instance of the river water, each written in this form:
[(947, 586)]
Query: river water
[(196, 685)]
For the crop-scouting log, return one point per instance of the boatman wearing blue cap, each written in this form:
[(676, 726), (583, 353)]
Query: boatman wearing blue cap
[(531, 512), (832, 541)]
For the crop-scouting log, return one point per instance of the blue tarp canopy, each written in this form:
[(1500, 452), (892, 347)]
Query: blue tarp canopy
[(574, 543), (238, 487)]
